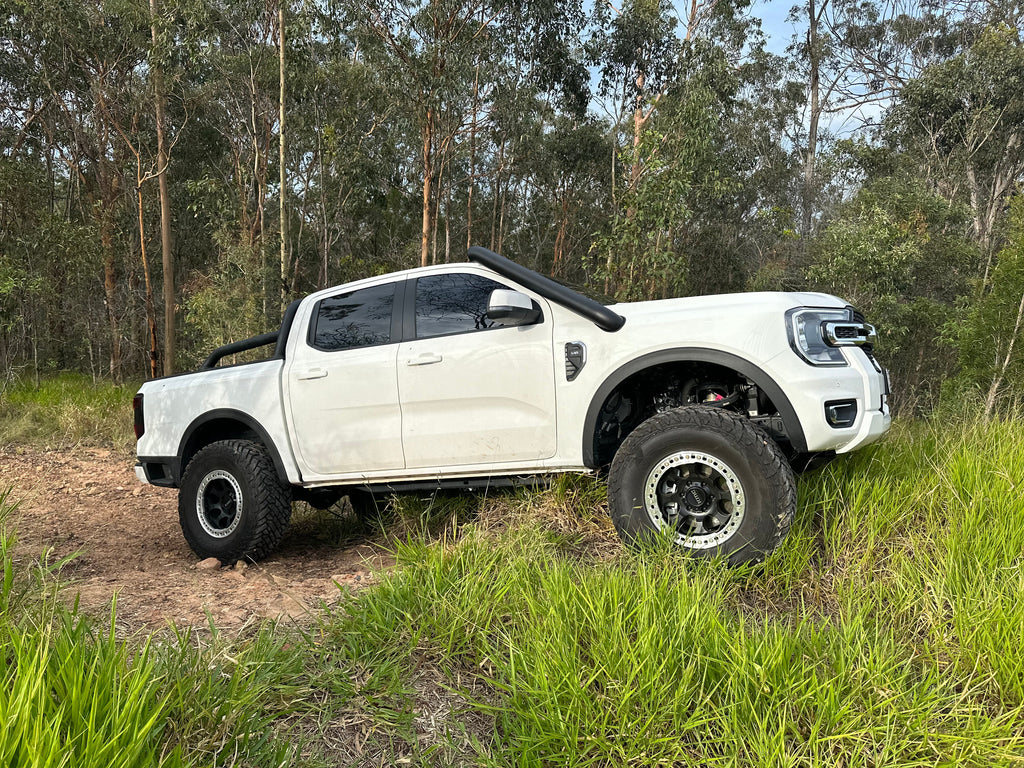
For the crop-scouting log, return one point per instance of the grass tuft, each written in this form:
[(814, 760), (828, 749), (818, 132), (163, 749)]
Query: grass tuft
[(67, 410)]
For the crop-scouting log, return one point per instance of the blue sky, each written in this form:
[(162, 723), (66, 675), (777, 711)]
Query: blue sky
[(773, 15)]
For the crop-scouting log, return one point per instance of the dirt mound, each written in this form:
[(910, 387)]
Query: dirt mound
[(128, 544)]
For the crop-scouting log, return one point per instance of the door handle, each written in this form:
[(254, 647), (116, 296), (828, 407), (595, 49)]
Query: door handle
[(427, 358), (313, 373)]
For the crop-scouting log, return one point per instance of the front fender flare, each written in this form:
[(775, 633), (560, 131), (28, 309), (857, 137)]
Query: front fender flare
[(742, 366)]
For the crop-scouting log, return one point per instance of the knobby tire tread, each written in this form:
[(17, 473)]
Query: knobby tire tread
[(747, 435), (271, 499)]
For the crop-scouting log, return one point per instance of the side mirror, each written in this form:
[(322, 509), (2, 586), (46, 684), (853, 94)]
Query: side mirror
[(511, 308)]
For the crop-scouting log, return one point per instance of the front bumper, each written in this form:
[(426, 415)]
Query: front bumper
[(811, 389), (873, 425)]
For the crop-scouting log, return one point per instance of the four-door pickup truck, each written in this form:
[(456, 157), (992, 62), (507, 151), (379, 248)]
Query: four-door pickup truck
[(486, 373)]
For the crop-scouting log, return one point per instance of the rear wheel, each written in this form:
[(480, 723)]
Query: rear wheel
[(232, 505), (714, 482)]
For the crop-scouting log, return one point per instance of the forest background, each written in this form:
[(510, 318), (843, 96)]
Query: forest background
[(174, 172)]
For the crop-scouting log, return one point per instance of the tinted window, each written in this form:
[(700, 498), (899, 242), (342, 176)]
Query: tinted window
[(452, 304), (357, 319)]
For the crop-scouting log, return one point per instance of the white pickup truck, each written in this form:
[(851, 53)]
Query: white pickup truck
[(486, 373)]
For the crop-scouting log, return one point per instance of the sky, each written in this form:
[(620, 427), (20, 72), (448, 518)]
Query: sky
[(777, 30)]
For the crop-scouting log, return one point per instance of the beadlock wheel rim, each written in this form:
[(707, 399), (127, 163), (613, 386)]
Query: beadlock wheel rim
[(698, 496), (219, 504)]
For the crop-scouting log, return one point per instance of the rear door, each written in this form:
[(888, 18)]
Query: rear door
[(342, 386), (473, 393)]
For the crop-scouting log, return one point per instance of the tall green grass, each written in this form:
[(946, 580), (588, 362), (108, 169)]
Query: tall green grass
[(66, 410), (73, 693), (68, 694), (885, 632)]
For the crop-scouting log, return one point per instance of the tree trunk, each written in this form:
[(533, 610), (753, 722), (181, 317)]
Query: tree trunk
[(638, 128), (497, 192), (563, 224), (167, 253), (447, 221), (283, 193), (110, 294), (815, 116), (108, 193), (997, 382), (154, 352), (428, 171), (472, 159)]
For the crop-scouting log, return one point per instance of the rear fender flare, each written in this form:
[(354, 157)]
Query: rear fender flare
[(228, 414)]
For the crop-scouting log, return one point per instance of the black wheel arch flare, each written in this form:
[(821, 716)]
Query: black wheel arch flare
[(742, 366), (230, 415)]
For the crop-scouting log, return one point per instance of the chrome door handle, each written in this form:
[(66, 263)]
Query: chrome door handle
[(427, 358), (313, 373)]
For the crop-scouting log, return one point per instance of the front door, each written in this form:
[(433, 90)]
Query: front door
[(473, 393)]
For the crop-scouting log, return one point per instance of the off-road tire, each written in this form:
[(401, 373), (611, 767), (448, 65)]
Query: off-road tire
[(214, 526), (740, 457)]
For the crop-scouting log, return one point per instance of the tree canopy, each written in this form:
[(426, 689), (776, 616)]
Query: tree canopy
[(649, 149)]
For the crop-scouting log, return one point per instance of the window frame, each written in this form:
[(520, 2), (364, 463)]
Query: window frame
[(397, 313), (409, 313)]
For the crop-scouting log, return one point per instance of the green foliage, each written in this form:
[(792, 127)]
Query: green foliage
[(962, 119), (225, 306), (885, 631), (69, 696), (897, 253), (224, 695), (873, 637), (72, 693), (673, 166), (992, 323)]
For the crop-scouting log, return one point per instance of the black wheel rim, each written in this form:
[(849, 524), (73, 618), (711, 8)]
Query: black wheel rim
[(696, 496), (219, 503)]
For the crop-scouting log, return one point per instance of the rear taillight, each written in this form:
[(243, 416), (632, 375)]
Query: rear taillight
[(140, 420)]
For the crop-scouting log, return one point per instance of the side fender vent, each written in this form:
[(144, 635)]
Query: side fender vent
[(575, 359)]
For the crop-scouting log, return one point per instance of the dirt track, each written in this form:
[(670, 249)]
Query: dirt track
[(128, 542)]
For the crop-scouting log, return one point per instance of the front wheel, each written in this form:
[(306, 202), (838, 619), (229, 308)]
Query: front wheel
[(714, 482), (232, 505)]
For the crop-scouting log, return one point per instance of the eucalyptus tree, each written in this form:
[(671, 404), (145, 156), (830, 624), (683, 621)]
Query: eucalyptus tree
[(424, 50), (963, 121), (76, 57), (669, 91)]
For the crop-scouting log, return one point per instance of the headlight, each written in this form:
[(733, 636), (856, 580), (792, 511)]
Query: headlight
[(804, 327)]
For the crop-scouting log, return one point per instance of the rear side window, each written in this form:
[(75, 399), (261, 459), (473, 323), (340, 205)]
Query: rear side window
[(454, 303), (356, 319)]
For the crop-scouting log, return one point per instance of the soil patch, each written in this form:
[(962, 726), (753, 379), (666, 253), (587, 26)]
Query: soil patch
[(127, 543)]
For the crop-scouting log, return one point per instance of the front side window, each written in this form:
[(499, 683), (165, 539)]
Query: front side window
[(356, 319), (454, 303)]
